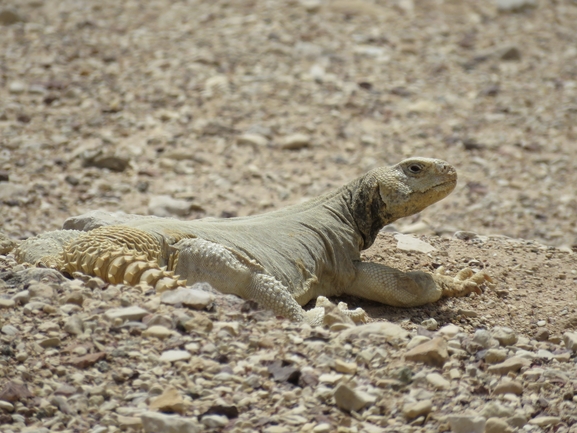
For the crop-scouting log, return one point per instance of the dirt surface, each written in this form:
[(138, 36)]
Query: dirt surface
[(226, 108)]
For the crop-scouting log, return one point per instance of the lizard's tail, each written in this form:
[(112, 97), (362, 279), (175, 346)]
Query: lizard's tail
[(119, 255)]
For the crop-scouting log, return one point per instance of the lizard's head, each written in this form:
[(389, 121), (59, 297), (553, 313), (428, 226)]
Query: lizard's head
[(388, 193)]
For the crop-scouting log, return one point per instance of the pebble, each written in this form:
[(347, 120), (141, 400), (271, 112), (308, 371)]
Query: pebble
[(153, 422), (345, 367), (497, 425), (214, 421), (466, 423), (350, 399), (411, 243), (430, 324), (484, 338), (505, 336), (9, 330), (513, 387), (388, 331), (157, 331), (545, 421), (7, 303), (132, 313), (74, 325), (170, 401), (256, 140), (9, 17), (415, 410), (514, 5), (450, 330), (494, 356), (191, 298), (513, 364), (296, 142), (438, 381), (570, 340), (433, 352), (166, 206), (175, 355)]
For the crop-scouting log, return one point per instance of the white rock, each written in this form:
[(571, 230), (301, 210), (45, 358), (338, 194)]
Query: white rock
[(214, 421), (128, 313), (166, 206), (175, 355), (466, 423), (416, 340), (296, 141), (504, 335), (411, 243), (157, 331), (192, 298), (570, 340), (17, 87), (514, 5), (154, 422), (387, 330), (438, 381), (252, 139), (450, 330), (351, 399)]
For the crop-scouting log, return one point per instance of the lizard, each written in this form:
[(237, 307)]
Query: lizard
[(281, 259)]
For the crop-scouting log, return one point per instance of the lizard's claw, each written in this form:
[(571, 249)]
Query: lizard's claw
[(466, 281)]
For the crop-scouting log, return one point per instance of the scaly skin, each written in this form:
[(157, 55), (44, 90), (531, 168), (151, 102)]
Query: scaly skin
[(280, 259)]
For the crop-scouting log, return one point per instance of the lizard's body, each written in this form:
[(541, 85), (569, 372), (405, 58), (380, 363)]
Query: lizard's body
[(281, 259)]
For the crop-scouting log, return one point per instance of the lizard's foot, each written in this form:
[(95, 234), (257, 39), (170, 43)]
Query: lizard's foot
[(466, 281), (327, 313)]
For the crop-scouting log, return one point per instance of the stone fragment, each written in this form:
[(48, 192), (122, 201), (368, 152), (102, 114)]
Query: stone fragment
[(350, 399), (197, 323), (450, 330), (296, 141), (49, 342), (153, 422), (76, 297), (175, 355), (493, 356), (170, 401), (6, 244), (166, 206), (514, 5), (466, 423), (512, 386), (9, 330), (157, 331), (416, 340), (497, 425), (214, 421), (415, 410), (133, 313), (545, 421), (7, 303), (438, 381), (256, 140), (385, 330), (6, 406), (512, 364), (411, 243), (110, 161), (74, 325), (191, 298), (40, 290), (87, 360), (484, 338), (284, 373), (430, 324), (345, 367), (129, 422), (14, 391), (433, 352), (570, 340), (504, 335)]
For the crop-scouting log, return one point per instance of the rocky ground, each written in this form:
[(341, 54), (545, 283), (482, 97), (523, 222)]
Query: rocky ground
[(225, 108)]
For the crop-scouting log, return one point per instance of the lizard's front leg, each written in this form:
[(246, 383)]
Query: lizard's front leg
[(390, 286)]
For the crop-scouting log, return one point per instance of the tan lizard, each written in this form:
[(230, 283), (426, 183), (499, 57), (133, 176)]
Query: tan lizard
[(281, 259)]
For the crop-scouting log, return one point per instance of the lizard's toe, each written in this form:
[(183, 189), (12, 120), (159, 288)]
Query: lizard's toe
[(465, 282)]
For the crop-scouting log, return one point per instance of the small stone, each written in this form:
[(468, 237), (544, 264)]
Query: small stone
[(214, 421), (350, 399), (514, 5), (411, 243), (438, 381), (191, 298), (74, 325), (511, 54), (430, 324), (133, 313), (40, 290), (345, 367), (296, 141), (50, 342), (513, 364), (158, 331), (170, 401), (153, 422), (129, 422), (7, 303), (14, 391), (542, 334), (450, 330), (466, 423), (545, 421), (497, 425), (416, 340), (434, 352), (484, 338), (75, 298), (166, 206), (99, 159), (9, 330), (87, 360), (256, 140), (511, 386), (322, 428), (6, 406), (9, 17), (197, 323), (387, 331), (415, 410), (175, 355), (505, 336), (494, 409), (494, 356), (570, 340)]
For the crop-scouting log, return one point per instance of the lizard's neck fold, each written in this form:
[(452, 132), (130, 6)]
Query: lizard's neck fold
[(367, 208)]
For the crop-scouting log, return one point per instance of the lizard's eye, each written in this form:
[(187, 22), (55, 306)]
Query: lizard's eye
[(415, 168)]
